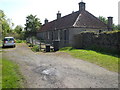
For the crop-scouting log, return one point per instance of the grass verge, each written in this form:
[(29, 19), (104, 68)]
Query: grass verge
[(0, 70), (11, 77), (107, 61)]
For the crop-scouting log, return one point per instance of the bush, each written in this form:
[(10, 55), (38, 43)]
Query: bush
[(30, 45), (20, 41), (35, 48)]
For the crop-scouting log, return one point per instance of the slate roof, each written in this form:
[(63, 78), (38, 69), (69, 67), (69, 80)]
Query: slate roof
[(82, 19)]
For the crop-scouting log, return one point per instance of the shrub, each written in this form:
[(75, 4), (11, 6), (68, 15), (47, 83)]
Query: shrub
[(20, 41), (30, 45), (35, 48)]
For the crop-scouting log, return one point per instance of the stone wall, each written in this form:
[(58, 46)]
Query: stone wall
[(103, 40)]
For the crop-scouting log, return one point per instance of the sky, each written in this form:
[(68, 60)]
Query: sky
[(119, 13), (18, 10)]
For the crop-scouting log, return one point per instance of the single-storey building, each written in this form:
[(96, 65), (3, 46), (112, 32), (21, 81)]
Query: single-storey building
[(64, 28)]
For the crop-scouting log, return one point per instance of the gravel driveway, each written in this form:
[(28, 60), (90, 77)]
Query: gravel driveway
[(59, 70)]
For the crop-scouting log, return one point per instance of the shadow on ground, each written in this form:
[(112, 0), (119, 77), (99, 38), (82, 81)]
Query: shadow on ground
[(7, 47)]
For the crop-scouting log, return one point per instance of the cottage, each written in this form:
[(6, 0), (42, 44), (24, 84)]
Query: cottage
[(64, 28)]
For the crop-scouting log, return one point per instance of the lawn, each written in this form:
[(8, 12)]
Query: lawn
[(0, 70), (104, 60), (11, 77)]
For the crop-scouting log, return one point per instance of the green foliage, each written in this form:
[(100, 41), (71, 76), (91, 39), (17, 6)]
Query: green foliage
[(18, 29), (116, 27), (30, 45), (32, 25), (107, 61), (0, 70), (20, 41), (5, 24), (103, 19), (1, 15), (19, 33), (35, 48), (11, 77), (6, 27)]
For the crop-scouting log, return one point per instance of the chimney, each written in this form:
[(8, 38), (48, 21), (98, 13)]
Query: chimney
[(81, 6), (46, 21), (58, 15), (110, 23)]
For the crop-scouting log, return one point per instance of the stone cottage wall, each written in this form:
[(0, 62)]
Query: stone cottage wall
[(55, 35), (103, 40)]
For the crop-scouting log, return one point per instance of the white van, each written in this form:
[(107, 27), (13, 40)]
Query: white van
[(9, 41)]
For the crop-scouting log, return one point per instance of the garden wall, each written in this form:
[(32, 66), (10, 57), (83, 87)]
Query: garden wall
[(108, 40)]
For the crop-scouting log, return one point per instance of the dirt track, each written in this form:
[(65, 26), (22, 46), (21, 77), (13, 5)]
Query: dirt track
[(53, 70)]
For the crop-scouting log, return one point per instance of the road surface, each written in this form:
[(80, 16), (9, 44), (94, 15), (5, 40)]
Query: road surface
[(59, 70)]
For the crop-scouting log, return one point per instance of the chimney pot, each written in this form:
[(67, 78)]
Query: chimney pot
[(46, 21), (82, 6), (58, 15)]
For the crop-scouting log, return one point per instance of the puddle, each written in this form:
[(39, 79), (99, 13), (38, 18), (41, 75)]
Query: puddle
[(50, 71), (46, 70)]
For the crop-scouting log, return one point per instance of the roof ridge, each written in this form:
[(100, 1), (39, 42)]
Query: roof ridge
[(96, 17), (86, 19), (75, 19), (62, 17)]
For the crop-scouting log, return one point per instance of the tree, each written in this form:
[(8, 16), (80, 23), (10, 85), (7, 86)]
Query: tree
[(18, 32), (32, 25), (103, 19), (5, 28), (116, 27), (18, 29)]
